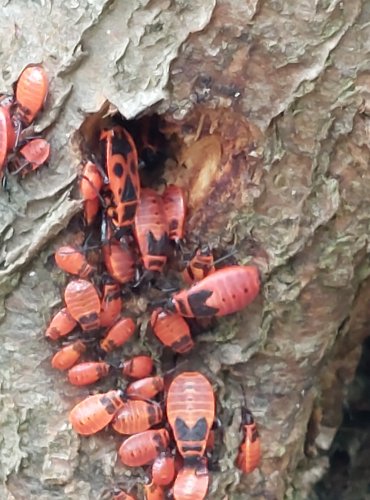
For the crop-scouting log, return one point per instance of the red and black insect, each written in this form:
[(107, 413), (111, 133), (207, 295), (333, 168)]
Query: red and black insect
[(91, 181), (145, 388), (163, 469), (118, 334), (31, 156), (118, 256), (172, 330), (192, 482), (137, 416), (95, 412), (30, 92), (249, 456), (73, 261), (68, 355), (83, 303), (223, 292), (90, 185), (123, 174), (151, 230), (7, 136), (88, 373), (190, 412), (137, 367), (199, 266), (175, 209), (61, 324), (153, 491), (141, 449), (111, 303)]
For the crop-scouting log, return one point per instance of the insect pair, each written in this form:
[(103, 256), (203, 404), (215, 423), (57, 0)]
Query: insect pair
[(16, 113)]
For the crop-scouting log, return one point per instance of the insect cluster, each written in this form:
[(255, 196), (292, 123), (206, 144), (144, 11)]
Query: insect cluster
[(166, 418), (20, 151)]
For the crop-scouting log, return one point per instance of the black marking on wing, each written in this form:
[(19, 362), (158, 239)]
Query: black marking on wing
[(129, 192), (196, 433), (197, 303), (129, 213), (157, 247)]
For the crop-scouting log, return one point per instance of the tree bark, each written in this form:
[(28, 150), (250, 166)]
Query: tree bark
[(269, 102)]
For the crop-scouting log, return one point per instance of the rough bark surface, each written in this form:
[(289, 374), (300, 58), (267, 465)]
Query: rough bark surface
[(270, 100)]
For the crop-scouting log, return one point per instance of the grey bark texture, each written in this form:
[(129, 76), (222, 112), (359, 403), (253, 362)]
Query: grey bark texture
[(270, 103)]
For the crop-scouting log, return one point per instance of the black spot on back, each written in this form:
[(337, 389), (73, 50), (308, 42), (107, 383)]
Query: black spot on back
[(196, 433), (198, 306), (157, 247), (118, 170), (152, 414), (174, 224), (108, 405), (160, 445)]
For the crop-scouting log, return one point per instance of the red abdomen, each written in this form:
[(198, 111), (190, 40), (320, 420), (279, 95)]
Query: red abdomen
[(190, 412), (137, 416), (68, 355), (35, 153), (146, 388), (151, 230), (119, 261), (141, 449), (172, 330), (95, 412), (163, 469), (71, 260), (91, 181), (118, 335), (7, 135), (111, 304), (191, 483), (31, 91), (83, 303), (223, 292), (249, 456), (175, 210), (61, 324), (88, 373), (137, 367)]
